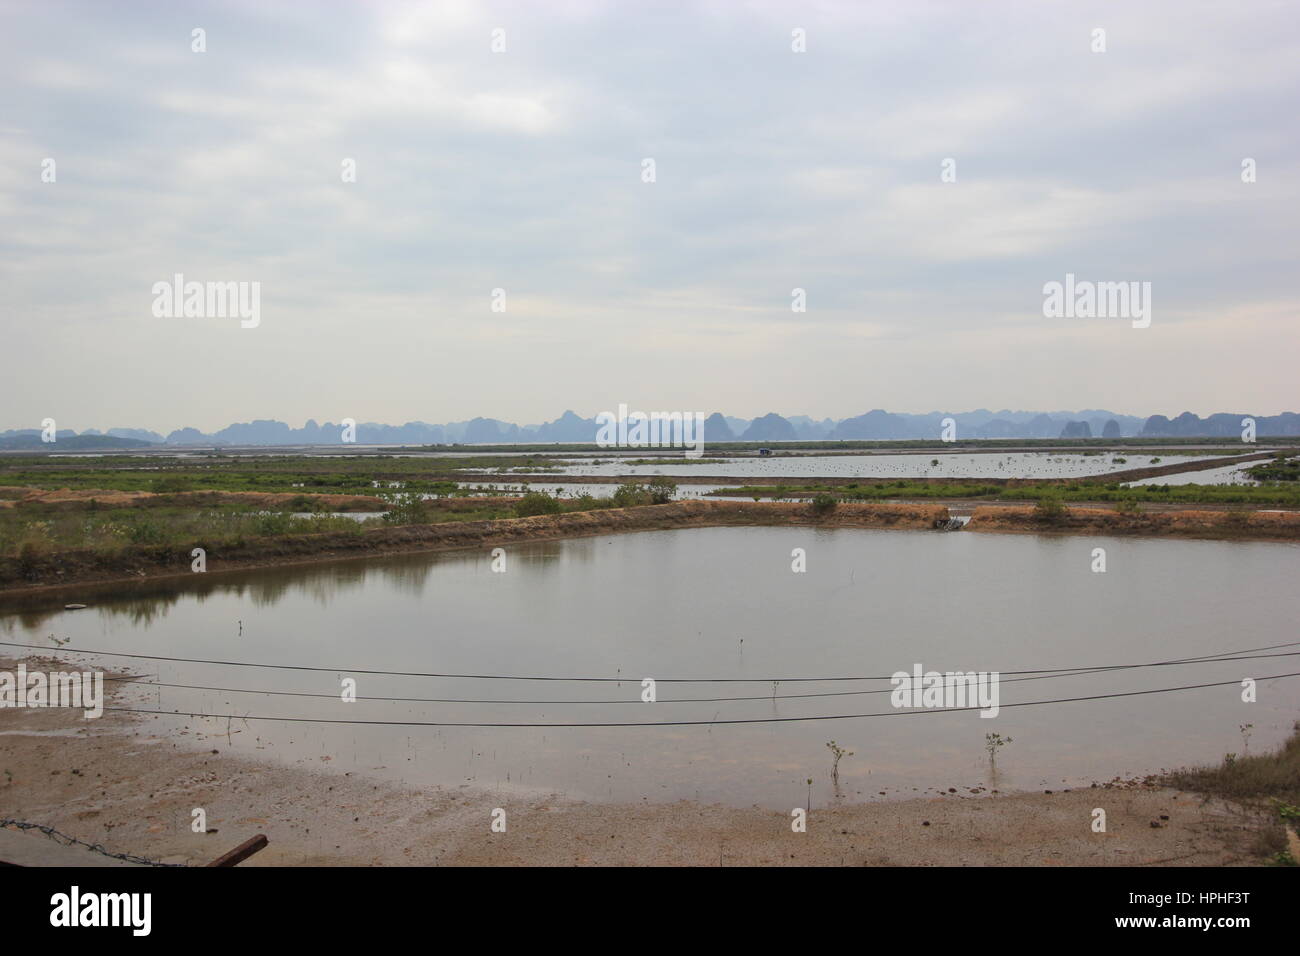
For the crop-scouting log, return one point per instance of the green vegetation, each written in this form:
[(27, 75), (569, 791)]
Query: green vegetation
[(326, 474), (1281, 468), (657, 491), (537, 503), (1262, 495), (28, 535), (823, 504), (1049, 508), (1266, 781)]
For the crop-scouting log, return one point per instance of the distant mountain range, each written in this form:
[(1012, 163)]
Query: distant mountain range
[(877, 425)]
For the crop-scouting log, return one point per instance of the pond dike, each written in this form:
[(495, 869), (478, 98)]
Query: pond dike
[(52, 574), (66, 575), (1244, 525)]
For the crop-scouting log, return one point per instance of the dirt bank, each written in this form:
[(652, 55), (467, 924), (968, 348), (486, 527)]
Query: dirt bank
[(126, 783), (67, 499), (47, 578), (42, 580), (1245, 525)]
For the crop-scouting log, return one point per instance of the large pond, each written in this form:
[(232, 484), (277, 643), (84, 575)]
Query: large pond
[(720, 603), (925, 465)]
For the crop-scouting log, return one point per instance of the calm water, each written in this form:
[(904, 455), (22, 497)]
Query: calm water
[(1231, 475), (724, 603), (1009, 465), (566, 489)]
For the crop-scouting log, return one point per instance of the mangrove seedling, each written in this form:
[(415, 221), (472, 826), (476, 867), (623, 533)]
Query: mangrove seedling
[(992, 742), (836, 753)]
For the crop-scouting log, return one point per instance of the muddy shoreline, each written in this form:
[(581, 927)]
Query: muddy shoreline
[(130, 784)]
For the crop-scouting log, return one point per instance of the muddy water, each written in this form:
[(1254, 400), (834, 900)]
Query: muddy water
[(724, 603)]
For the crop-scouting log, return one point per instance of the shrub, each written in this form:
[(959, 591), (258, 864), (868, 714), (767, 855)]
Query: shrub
[(1049, 508), (537, 503), (273, 523), (823, 504), (29, 555), (407, 509), (631, 494)]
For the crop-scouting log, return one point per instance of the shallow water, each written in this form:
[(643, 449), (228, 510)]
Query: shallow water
[(1009, 465), (724, 603), (1230, 475), (597, 489)]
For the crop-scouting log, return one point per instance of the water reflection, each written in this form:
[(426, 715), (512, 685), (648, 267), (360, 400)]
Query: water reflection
[(710, 603)]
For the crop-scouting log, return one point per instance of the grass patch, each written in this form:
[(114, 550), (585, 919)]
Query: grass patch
[(1269, 782), (1280, 493)]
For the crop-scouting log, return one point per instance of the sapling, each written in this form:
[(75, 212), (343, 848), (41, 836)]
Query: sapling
[(991, 743), (836, 752)]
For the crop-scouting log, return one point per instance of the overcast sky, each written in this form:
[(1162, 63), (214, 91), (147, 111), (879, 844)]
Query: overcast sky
[(522, 170)]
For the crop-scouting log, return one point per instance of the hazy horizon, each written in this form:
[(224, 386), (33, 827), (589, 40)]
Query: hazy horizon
[(1059, 414)]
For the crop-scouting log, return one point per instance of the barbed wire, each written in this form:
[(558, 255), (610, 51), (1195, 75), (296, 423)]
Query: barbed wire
[(67, 840)]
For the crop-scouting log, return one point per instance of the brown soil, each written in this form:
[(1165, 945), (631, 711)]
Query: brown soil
[(1252, 525), (124, 782)]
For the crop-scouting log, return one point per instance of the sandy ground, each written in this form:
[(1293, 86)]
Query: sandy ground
[(118, 782)]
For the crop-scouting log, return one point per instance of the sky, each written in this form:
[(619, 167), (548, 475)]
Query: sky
[(523, 169)]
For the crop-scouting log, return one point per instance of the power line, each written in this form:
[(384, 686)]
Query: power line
[(674, 700), (680, 723), (620, 680)]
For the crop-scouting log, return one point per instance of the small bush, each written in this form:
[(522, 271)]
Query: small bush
[(823, 504), (1049, 508), (537, 503), (407, 509), (661, 490), (275, 523), (631, 494)]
